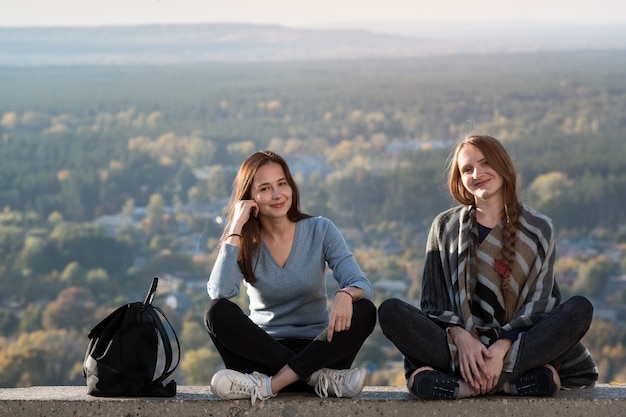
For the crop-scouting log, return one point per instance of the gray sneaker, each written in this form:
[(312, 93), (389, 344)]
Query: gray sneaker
[(338, 382), (233, 385)]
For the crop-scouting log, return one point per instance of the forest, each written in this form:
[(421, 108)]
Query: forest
[(110, 175)]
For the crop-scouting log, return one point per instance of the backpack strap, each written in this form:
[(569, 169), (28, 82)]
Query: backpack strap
[(155, 311), (151, 292), (169, 366)]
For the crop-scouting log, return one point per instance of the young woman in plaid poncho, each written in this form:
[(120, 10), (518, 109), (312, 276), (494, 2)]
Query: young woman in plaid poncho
[(491, 318)]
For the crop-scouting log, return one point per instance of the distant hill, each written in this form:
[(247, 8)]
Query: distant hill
[(199, 43), (506, 36), (174, 44)]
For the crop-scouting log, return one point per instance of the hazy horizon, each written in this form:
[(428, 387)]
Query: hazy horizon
[(350, 13)]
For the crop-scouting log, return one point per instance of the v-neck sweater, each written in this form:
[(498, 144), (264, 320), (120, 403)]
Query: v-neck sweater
[(291, 301)]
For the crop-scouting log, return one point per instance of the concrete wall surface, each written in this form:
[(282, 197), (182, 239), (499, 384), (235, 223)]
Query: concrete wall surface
[(600, 401)]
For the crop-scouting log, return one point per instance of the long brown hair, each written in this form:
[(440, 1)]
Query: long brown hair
[(242, 190), (498, 159)]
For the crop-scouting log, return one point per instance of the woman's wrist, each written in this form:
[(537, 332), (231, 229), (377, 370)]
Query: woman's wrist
[(344, 291), (455, 331), (234, 229), (501, 347), (233, 236)]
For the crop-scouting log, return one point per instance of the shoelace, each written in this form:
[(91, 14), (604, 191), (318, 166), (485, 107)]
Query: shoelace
[(443, 388), (430, 385), (253, 387), (333, 379)]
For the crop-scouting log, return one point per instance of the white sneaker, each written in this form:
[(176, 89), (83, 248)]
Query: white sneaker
[(233, 385), (338, 382)]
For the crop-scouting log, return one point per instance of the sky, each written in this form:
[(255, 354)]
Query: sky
[(298, 13)]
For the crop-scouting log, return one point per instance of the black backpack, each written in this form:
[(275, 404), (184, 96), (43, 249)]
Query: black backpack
[(125, 349)]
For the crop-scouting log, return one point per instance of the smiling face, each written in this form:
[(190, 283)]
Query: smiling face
[(271, 191), (477, 176)]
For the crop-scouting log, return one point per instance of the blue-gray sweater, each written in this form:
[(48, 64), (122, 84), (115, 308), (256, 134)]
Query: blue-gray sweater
[(291, 302)]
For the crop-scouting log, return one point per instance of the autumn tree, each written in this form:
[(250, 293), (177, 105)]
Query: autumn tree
[(98, 282), (36, 256), (9, 322), (200, 152), (9, 120), (31, 318), (548, 186), (217, 183), (51, 357), (168, 262), (155, 213), (22, 368), (89, 246), (193, 335), (11, 241), (593, 276), (240, 150), (72, 274), (73, 309), (198, 366)]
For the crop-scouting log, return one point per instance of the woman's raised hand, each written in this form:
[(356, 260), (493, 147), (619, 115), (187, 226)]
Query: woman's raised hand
[(243, 210)]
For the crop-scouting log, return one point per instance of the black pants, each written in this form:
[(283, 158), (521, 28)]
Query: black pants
[(245, 347), (424, 343)]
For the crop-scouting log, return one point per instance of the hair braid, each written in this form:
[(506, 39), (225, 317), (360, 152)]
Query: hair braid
[(511, 217)]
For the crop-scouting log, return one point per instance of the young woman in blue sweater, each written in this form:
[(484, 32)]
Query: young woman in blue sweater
[(289, 341)]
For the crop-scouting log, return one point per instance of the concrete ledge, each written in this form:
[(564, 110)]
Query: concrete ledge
[(601, 401)]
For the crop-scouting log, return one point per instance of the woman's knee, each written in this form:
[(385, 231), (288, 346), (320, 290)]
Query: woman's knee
[(581, 308), (364, 307), (218, 310), (388, 311), (364, 312), (582, 304)]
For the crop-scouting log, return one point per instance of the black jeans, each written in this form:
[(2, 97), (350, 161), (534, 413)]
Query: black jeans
[(424, 343), (245, 347)]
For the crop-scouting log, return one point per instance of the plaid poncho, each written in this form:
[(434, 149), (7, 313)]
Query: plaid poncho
[(461, 286)]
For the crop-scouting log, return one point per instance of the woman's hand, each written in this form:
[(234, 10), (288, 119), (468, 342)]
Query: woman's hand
[(341, 312), (492, 371), (472, 355), (494, 365), (242, 211)]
